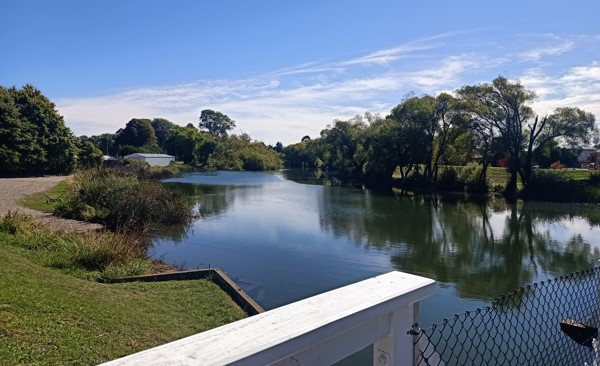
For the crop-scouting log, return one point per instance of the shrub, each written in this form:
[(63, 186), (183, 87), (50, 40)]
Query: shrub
[(546, 186), (470, 177), (449, 180), (122, 201), (594, 179)]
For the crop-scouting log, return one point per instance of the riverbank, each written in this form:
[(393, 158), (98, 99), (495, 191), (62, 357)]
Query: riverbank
[(52, 318), (54, 311)]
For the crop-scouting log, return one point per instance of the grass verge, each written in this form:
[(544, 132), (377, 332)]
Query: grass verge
[(49, 317), (39, 201)]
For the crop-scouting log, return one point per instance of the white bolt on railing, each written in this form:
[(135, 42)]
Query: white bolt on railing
[(320, 330)]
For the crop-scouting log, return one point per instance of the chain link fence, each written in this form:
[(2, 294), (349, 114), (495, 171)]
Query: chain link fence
[(522, 327)]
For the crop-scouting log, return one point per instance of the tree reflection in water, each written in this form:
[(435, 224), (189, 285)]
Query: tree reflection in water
[(483, 246)]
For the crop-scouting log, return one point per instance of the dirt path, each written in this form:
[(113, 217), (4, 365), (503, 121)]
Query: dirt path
[(12, 190)]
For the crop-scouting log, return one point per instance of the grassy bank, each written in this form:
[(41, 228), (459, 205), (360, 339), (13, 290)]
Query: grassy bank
[(40, 202), (51, 313)]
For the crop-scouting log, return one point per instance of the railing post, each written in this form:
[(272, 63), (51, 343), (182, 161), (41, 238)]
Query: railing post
[(397, 348)]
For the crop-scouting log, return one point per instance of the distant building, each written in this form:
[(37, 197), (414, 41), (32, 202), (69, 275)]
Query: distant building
[(152, 159), (109, 160)]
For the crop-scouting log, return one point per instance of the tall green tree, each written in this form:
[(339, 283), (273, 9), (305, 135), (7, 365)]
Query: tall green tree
[(343, 145), (137, 132), (216, 123), (161, 129), (183, 143), (105, 142), (89, 155), (502, 108), (568, 125), (384, 145), (34, 139)]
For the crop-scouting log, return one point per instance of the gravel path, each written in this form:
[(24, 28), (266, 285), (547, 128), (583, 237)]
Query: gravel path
[(12, 190)]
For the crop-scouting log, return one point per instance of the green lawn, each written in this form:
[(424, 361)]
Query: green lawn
[(39, 202), (51, 318), (497, 175)]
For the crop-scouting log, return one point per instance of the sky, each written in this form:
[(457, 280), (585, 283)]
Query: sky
[(286, 69)]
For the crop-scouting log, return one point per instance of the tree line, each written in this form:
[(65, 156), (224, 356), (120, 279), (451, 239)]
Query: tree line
[(207, 146), (486, 123), (34, 140)]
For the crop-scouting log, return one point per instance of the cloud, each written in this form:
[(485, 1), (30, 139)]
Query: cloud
[(579, 87), (286, 104), (388, 55), (536, 54)]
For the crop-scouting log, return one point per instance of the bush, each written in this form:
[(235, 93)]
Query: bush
[(122, 201), (546, 186), (594, 179), (470, 177), (449, 181)]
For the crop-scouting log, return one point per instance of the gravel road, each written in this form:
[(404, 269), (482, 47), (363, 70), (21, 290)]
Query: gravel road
[(12, 190)]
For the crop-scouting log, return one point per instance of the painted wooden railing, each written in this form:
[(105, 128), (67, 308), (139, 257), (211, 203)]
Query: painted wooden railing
[(319, 330)]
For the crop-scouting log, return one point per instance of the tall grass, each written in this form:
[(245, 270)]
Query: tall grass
[(96, 255), (123, 201)]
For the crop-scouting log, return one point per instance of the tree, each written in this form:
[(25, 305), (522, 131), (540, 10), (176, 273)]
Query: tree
[(278, 147), (216, 123), (105, 142), (137, 132), (89, 155), (161, 129), (571, 125), (501, 107), (384, 149), (183, 143), (34, 138), (340, 144)]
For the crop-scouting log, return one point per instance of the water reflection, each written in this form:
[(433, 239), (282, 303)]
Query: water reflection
[(482, 246), (293, 240)]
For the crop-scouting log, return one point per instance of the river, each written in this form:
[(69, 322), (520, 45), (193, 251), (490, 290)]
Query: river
[(288, 235)]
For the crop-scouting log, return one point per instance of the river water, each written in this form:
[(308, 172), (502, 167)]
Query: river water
[(289, 235)]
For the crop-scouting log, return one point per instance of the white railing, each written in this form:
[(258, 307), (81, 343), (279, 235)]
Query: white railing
[(320, 330)]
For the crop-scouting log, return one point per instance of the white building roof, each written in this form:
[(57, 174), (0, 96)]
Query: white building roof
[(149, 156)]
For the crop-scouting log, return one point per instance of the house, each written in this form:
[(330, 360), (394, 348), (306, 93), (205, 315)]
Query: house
[(152, 159)]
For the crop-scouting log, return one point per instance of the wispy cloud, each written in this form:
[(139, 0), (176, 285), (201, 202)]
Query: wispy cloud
[(286, 104), (537, 53), (577, 87)]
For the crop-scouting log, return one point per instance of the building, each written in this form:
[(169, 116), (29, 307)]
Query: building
[(109, 160), (152, 159)]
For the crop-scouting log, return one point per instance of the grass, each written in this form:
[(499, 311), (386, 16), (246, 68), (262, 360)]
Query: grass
[(499, 176), (39, 202), (90, 255), (48, 316)]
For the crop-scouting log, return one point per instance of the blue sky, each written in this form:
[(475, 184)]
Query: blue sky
[(285, 69)]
